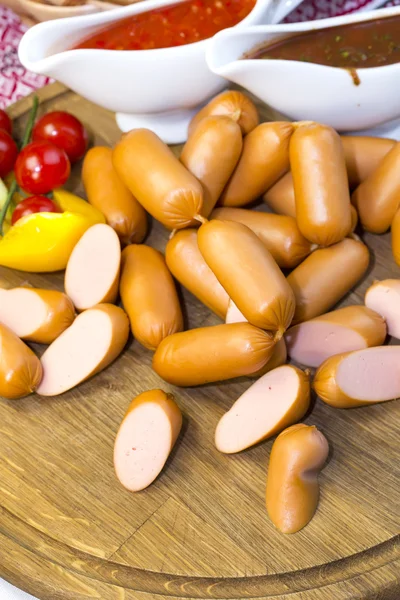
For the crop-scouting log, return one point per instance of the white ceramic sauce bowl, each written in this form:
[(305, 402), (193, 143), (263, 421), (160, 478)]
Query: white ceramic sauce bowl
[(307, 91), (160, 89)]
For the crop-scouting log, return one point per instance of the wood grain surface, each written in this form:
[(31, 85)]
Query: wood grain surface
[(68, 530)]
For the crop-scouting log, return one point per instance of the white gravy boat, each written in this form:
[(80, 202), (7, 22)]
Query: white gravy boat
[(307, 91), (159, 89)]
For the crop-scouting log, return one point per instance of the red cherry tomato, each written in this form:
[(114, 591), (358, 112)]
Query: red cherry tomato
[(31, 205), (5, 121), (41, 167), (8, 153), (63, 130)]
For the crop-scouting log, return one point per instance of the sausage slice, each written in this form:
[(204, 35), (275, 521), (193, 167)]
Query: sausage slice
[(384, 298)]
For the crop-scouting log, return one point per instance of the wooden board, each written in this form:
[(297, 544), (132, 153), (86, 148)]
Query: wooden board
[(68, 530)]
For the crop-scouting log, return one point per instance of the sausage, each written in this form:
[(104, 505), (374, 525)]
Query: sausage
[(279, 354), (280, 197), (188, 266), (297, 456), (325, 276), (212, 354), (94, 340), (106, 192), (320, 184), (248, 273), (279, 233), (377, 198), (383, 297), (279, 399), (345, 329), (211, 154), (395, 236), (264, 159), (20, 368), (92, 273), (145, 439), (149, 295), (363, 155), (36, 315), (235, 105), (157, 179), (359, 378), (354, 218)]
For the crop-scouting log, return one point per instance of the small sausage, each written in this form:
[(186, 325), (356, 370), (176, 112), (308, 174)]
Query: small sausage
[(94, 340), (149, 295), (342, 330), (106, 192), (211, 154), (36, 315), (279, 233), (212, 354), (248, 273), (20, 368), (280, 197), (320, 184), (145, 439), (157, 179), (395, 234), (235, 105), (384, 298), (325, 276), (377, 198), (188, 266), (359, 378), (354, 218), (297, 456), (92, 273), (265, 158), (279, 399), (363, 155)]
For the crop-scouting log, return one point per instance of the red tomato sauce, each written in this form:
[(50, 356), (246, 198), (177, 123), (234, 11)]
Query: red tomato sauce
[(172, 26)]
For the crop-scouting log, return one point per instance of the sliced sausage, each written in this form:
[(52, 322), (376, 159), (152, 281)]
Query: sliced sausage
[(248, 273), (342, 330), (359, 378), (20, 368), (275, 401), (157, 179), (188, 266), (233, 314), (235, 105), (36, 315), (149, 295), (94, 340), (377, 198), (363, 155), (280, 197), (297, 456), (320, 184), (145, 439), (325, 276), (106, 192), (383, 297), (395, 230), (212, 354), (264, 159), (279, 233), (211, 154), (92, 273)]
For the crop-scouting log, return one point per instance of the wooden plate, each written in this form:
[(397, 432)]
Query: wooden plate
[(68, 530)]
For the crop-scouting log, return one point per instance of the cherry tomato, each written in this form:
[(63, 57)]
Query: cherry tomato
[(31, 205), (41, 167), (8, 153), (5, 121), (63, 130)]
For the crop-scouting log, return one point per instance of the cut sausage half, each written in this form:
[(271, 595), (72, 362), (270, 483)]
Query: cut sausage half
[(92, 274), (342, 330), (275, 401), (360, 378), (384, 298), (94, 340)]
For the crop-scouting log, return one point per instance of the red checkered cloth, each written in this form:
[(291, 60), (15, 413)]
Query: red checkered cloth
[(16, 82)]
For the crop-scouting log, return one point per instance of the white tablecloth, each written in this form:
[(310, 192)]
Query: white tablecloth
[(9, 592)]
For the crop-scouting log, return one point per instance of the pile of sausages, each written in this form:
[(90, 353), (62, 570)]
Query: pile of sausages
[(231, 259)]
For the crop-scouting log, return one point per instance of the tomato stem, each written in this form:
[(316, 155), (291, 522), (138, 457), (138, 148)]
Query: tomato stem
[(25, 140)]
